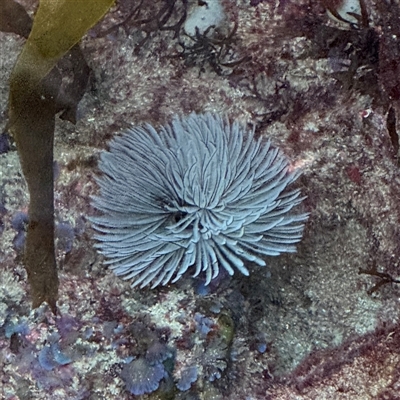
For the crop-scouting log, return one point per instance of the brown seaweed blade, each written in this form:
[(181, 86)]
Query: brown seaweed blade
[(58, 26), (32, 116)]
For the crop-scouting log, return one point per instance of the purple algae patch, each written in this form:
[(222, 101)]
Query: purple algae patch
[(188, 376), (203, 324), (140, 376), (4, 143), (66, 325), (3, 211), (52, 356), (202, 289), (20, 328), (59, 356), (19, 221), (19, 241), (65, 235), (262, 347), (46, 359), (157, 352)]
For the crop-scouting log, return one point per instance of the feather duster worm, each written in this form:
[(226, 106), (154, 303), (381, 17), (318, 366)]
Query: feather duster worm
[(198, 194)]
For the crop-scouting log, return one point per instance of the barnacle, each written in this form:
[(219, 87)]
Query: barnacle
[(200, 193)]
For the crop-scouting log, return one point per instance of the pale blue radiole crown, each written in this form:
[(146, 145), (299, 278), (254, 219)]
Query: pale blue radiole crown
[(200, 194)]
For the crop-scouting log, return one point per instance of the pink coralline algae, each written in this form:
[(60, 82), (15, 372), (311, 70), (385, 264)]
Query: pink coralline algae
[(365, 366)]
